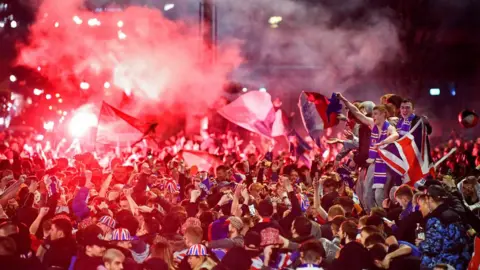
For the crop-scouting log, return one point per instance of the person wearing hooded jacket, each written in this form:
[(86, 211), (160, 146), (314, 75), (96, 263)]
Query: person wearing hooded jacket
[(445, 233), (470, 191)]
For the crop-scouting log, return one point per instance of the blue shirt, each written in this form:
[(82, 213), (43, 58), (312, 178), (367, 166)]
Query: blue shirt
[(415, 251)]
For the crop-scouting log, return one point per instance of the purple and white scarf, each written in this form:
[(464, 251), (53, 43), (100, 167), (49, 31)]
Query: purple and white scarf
[(404, 125), (380, 173)]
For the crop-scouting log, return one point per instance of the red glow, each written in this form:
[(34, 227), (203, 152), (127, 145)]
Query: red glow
[(81, 122), (135, 49)]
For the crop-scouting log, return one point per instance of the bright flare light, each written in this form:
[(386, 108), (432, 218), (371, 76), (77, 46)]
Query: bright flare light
[(48, 96), (263, 89), (94, 22), (13, 78), (167, 7), (38, 92), (106, 85), (13, 24), (57, 24), (84, 85), (121, 35), (274, 21), (120, 24), (77, 20), (81, 122), (244, 89), (48, 125)]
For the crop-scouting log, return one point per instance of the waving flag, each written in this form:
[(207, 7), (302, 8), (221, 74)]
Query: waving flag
[(118, 128), (203, 160), (254, 111), (300, 151), (318, 112), (409, 156)]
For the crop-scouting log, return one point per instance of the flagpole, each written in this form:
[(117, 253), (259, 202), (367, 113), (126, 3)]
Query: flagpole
[(445, 157)]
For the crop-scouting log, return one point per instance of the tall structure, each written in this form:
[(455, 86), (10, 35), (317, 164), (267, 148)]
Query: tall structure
[(208, 28)]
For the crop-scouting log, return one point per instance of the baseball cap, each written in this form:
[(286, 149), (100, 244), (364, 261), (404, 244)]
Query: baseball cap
[(92, 236), (252, 240), (436, 191)]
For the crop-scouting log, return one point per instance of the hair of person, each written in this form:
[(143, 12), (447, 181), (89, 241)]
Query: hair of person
[(378, 211), (470, 180), (63, 225), (226, 208), (391, 110), (363, 220), (111, 254), (125, 219), (337, 221), (374, 220), (312, 251), (370, 230), (330, 183), (384, 98), (221, 168), (8, 247), (404, 191), (336, 210), (408, 100), (265, 208), (161, 250), (346, 202), (195, 234), (374, 239), (302, 226), (350, 229), (377, 252), (422, 198), (395, 100), (382, 109)]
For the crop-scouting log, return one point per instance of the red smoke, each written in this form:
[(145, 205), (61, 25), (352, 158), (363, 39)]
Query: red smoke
[(135, 50)]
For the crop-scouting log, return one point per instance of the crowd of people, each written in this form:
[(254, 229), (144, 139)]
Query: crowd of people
[(258, 209)]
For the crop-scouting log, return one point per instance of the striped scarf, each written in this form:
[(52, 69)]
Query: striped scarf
[(380, 173), (404, 125)]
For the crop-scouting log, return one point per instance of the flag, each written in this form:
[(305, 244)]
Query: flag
[(254, 111), (203, 160), (300, 151), (409, 156), (118, 128), (318, 112)]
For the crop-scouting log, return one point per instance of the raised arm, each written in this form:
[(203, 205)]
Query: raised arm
[(356, 112)]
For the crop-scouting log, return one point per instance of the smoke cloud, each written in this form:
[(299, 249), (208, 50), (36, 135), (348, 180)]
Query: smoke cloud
[(136, 51), (295, 44)]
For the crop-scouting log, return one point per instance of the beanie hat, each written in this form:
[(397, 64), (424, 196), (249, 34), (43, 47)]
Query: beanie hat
[(368, 106), (236, 222)]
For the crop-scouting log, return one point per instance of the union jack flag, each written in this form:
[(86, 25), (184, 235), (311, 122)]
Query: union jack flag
[(409, 156)]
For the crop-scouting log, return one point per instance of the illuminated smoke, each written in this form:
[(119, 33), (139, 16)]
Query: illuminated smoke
[(137, 51), (292, 44)]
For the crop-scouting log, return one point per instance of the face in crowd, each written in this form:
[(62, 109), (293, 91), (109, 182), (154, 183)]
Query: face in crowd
[(406, 109)]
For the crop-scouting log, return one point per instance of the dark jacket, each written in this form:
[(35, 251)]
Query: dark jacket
[(353, 256), (446, 239), (361, 156), (85, 262), (59, 253), (129, 263)]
